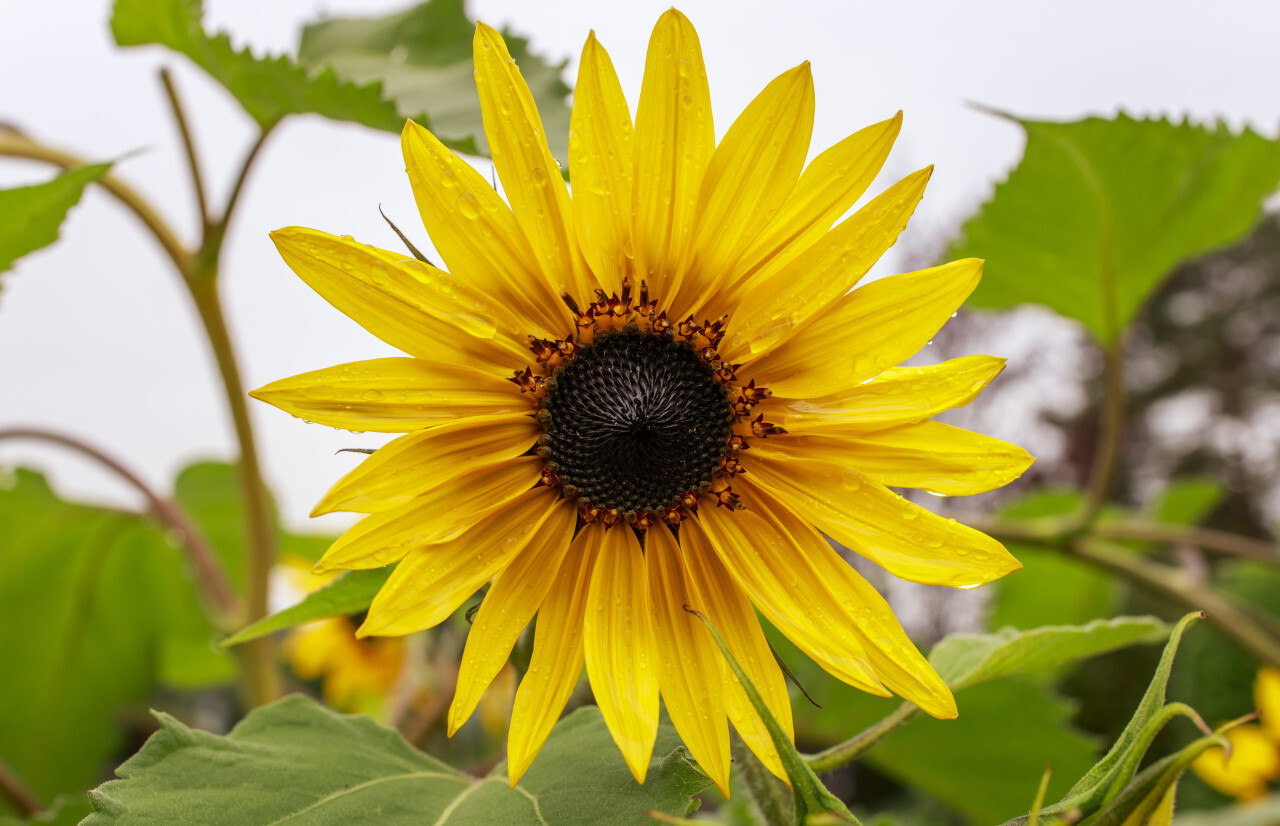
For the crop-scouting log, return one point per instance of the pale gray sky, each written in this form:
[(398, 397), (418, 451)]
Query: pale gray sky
[(97, 338)]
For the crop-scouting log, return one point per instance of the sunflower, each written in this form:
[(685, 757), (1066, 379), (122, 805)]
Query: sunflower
[(657, 393)]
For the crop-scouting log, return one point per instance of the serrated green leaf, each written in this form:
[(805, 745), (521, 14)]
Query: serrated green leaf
[(1100, 211), (103, 611), (422, 56), (269, 88), (33, 214), (352, 593), (295, 760), (964, 660)]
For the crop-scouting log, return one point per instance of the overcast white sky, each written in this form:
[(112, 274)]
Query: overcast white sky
[(97, 338)]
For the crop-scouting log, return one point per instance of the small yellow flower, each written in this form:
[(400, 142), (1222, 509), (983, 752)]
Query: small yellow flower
[(1255, 749), (658, 392)]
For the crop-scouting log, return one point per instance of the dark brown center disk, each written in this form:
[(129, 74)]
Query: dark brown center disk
[(636, 420)]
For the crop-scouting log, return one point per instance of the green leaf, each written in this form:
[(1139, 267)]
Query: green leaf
[(964, 660), (106, 611), (32, 214), (1052, 588), (269, 88), (1148, 800), (1099, 212), (1188, 500), (422, 56), (352, 593), (296, 760)]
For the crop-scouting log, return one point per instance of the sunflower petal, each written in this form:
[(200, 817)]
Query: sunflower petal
[(905, 539), (929, 455), (824, 596), (557, 653), (779, 303), (692, 686), (622, 657), (750, 547), (475, 232), (430, 584), (409, 305), (530, 176), (895, 397), (511, 602), (436, 516), (600, 157), (751, 174), (674, 141), (411, 465), (718, 595), (887, 321), (831, 184), (392, 395)]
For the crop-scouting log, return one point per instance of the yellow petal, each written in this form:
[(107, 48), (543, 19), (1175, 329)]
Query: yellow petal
[(905, 539), (476, 234), (674, 140), (438, 515), (622, 657), (515, 595), (430, 584), (557, 653), (1266, 694), (808, 584), (904, 395), (749, 547), (778, 303), (1254, 761), (876, 326), (416, 308), (392, 395), (751, 174), (692, 686), (530, 176), (929, 455), (411, 465), (600, 157), (831, 184), (718, 595)]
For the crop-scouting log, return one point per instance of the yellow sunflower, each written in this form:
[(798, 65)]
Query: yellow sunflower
[(577, 436)]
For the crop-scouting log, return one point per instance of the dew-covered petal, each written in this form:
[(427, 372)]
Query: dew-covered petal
[(692, 685), (476, 234), (674, 139), (719, 596), (908, 541), (929, 456), (428, 585), (875, 327), (410, 305), (898, 396), (600, 157), (517, 592), (777, 303), (751, 174), (529, 174), (621, 654), (392, 395), (557, 653), (438, 515), (411, 465)]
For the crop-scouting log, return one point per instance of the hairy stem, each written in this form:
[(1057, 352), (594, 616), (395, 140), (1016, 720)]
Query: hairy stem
[(212, 577), (845, 753), (17, 792), (1176, 585), (179, 115)]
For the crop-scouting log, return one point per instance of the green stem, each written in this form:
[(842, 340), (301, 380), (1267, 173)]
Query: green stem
[(210, 573), (845, 753), (775, 801), (197, 180), (1178, 586)]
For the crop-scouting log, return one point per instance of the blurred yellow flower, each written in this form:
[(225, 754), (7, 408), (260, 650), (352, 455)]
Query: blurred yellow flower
[(577, 436), (1255, 749)]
